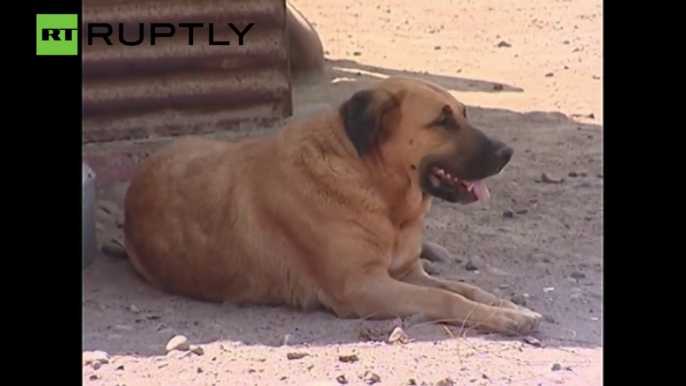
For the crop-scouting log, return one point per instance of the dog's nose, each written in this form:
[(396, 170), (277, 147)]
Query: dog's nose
[(504, 153)]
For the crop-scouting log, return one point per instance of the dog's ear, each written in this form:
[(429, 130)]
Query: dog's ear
[(364, 116)]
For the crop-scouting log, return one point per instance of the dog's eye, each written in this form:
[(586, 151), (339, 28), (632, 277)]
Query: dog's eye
[(446, 120)]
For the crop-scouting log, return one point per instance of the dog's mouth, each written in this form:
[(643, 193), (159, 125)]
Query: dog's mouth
[(450, 188)]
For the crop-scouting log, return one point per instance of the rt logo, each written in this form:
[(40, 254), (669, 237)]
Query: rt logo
[(57, 35)]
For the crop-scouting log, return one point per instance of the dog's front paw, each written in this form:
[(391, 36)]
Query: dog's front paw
[(507, 304), (524, 321)]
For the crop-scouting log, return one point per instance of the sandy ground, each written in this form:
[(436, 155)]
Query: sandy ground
[(530, 70)]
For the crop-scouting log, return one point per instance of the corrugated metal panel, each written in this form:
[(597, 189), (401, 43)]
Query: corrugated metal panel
[(173, 88)]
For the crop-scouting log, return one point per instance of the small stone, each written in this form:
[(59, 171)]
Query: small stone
[(577, 275), (120, 367), (498, 87), (114, 249), (411, 382), (349, 358), (430, 268), (134, 309), (573, 174), (565, 42), (357, 53), (197, 350), (518, 299), (445, 382), (93, 377), (474, 263), (371, 378), (398, 336), (532, 341), (503, 43), (547, 178), (437, 48), (178, 343), (96, 365), (341, 379), (435, 252), (296, 355), (556, 367), (508, 213), (538, 257), (199, 370), (522, 211), (90, 357), (108, 207), (548, 318), (549, 75), (123, 328)]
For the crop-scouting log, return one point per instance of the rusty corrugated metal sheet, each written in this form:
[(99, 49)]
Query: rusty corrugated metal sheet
[(173, 88)]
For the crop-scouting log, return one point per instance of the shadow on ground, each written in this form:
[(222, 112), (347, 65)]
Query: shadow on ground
[(123, 315)]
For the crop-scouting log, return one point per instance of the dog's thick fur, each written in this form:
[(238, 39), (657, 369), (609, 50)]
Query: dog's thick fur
[(325, 212)]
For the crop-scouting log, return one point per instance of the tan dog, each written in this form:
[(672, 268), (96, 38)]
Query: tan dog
[(325, 212)]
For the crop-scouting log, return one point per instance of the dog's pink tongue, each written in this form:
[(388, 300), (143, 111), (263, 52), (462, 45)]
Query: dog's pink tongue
[(480, 191)]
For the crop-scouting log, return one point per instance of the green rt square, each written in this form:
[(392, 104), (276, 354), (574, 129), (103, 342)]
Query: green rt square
[(57, 35)]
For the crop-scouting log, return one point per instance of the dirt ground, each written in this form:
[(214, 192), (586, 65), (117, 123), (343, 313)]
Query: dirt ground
[(530, 70)]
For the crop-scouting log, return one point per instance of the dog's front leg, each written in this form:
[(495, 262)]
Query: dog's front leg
[(376, 295), (418, 276)]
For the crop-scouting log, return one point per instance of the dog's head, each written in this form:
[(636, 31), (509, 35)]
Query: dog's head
[(421, 128)]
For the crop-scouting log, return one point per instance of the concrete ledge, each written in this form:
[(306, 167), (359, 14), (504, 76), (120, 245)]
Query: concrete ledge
[(114, 162), (89, 247)]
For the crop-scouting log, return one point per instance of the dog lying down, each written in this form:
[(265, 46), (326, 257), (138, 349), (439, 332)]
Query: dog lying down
[(326, 212)]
